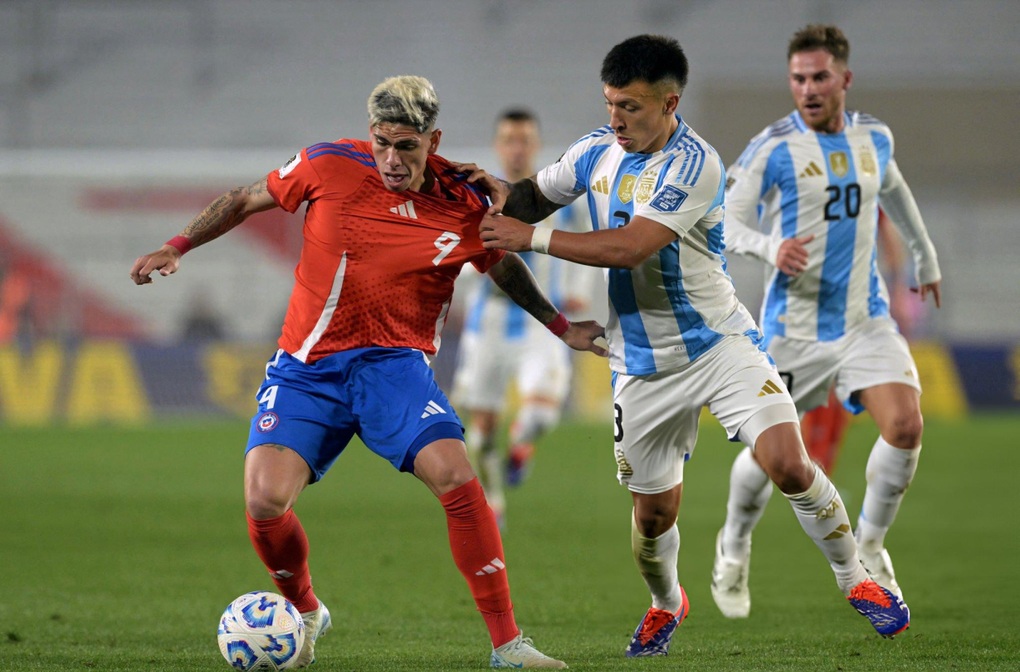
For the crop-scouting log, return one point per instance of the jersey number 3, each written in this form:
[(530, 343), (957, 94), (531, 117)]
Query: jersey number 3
[(445, 244)]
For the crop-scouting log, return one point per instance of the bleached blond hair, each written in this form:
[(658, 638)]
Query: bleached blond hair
[(407, 99)]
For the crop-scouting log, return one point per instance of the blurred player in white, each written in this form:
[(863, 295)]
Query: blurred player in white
[(679, 340), (816, 177), (499, 344)]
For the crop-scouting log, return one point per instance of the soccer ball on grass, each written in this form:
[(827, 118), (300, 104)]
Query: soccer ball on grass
[(261, 631)]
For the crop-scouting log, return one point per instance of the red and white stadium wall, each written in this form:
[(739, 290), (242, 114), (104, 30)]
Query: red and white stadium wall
[(113, 381)]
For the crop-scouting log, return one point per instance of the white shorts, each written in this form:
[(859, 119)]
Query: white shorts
[(656, 424), (873, 353), (539, 364)]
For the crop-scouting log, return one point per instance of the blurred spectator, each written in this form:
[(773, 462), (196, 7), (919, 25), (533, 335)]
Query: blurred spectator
[(15, 301), (203, 322)]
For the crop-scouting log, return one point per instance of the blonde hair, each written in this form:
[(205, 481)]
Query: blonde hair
[(408, 100)]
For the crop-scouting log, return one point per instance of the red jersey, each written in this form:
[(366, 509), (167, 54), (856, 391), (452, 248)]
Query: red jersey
[(377, 267)]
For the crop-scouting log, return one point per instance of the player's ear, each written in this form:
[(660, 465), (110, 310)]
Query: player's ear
[(434, 140), (849, 79), (672, 101)]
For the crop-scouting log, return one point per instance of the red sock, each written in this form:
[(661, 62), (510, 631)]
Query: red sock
[(823, 430), (283, 547), (478, 554)]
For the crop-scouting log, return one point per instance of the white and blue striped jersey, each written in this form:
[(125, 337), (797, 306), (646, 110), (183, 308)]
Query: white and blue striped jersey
[(679, 302), (793, 182), (489, 308)]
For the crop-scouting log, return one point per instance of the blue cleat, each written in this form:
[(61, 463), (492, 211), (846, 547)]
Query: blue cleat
[(656, 629), (887, 612)]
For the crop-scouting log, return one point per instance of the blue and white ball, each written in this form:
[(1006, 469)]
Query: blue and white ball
[(261, 631)]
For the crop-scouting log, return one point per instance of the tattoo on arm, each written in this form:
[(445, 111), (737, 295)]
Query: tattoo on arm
[(223, 214), (526, 202), (520, 285)]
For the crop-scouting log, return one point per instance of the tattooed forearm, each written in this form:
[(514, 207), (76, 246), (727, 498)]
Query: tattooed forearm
[(223, 214), (514, 277), (526, 202)]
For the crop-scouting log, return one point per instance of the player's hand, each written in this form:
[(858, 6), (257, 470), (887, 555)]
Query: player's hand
[(505, 233), (582, 336), (792, 256), (496, 188), (933, 288), (166, 260)]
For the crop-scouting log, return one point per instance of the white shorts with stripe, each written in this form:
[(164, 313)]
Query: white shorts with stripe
[(873, 353), (538, 363), (656, 424)]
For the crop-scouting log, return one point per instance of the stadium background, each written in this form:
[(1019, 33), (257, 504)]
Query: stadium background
[(119, 121)]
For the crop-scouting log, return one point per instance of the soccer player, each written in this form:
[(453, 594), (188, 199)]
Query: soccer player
[(388, 226), (679, 339), (817, 177), (501, 343)]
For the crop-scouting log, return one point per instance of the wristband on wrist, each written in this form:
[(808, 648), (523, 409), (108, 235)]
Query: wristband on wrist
[(559, 325), (540, 238), (180, 243)]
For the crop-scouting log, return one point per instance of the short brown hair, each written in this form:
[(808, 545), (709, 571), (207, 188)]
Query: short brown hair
[(824, 37)]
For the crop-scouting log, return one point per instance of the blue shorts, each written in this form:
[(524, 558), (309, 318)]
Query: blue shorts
[(387, 396)]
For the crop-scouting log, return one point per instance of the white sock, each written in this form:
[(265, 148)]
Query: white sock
[(889, 473), (656, 560), (750, 490), (488, 464), (821, 513), (532, 421)]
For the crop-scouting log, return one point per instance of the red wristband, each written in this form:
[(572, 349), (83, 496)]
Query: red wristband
[(559, 325), (180, 243)]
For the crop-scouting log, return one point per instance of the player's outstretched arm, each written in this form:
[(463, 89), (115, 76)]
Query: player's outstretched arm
[(514, 277), (220, 216)]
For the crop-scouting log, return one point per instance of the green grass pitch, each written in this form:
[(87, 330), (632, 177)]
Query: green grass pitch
[(121, 547)]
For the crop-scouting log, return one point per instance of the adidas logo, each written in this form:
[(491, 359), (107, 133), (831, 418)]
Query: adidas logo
[(494, 566), (405, 210), (433, 409), (601, 186), (769, 388), (812, 170)]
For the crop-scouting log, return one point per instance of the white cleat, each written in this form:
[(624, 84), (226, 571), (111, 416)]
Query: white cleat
[(520, 652), (879, 566), (729, 583), (316, 624)]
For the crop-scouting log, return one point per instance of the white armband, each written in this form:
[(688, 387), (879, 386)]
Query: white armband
[(540, 238)]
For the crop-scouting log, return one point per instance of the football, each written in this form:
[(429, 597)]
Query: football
[(261, 631)]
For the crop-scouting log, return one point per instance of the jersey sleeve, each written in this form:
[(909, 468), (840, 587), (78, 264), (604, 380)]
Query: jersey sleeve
[(745, 186), (898, 202), (566, 179), (294, 182), (686, 197)]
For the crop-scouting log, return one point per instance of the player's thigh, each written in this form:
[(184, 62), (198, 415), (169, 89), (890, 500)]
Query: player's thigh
[(808, 369), (543, 368), (301, 410), (875, 354), (655, 428), (485, 366), (399, 407)]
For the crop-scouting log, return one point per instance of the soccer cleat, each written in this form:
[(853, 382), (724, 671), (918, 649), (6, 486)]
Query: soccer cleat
[(316, 624), (520, 652), (879, 566), (887, 612), (518, 463), (656, 629), (729, 583)]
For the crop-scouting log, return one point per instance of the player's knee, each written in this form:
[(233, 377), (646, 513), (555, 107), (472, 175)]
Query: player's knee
[(262, 505), (905, 430)]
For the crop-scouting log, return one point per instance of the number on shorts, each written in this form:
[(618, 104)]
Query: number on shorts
[(445, 244), (618, 434), (269, 397)]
